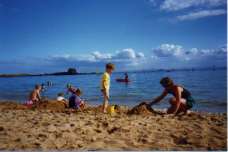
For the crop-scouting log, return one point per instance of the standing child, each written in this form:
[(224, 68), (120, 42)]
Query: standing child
[(105, 84)]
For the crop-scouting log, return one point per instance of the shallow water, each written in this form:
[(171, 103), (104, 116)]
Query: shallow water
[(207, 87)]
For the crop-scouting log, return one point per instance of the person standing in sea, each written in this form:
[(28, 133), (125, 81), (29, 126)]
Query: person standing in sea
[(105, 85)]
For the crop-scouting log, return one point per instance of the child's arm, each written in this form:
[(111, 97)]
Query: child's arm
[(159, 98), (178, 99), (78, 102), (82, 105), (38, 95), (103, 84)]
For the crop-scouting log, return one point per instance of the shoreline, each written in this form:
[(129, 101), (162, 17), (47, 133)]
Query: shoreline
[(20, 102), (50, 127)]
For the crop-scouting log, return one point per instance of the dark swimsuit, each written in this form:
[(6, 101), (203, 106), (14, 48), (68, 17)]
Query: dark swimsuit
[(185, 94)]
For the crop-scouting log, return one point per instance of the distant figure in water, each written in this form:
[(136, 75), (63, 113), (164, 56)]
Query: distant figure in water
[(43, 87), (34, 96), (49, 83), (126, 77), (181, 100)]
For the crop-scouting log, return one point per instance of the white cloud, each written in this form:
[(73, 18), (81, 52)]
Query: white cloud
[(126, 58), (101, 56), (176, 56), (140, 55), (201, 14), (164, 56), (175, 5), (191, 9), (128, 53), (167, 50), (192, 51), (66, 56), (220, 51), (125, 54)]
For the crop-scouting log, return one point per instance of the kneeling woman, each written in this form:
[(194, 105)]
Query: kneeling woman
[(181, 100)]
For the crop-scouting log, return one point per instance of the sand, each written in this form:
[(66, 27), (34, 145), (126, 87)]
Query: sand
[(140, 128)]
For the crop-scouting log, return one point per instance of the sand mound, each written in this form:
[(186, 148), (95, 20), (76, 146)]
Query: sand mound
[(51, 105), (11, 106), (142, 109), (99, 109), (121, 109), (46, 105)]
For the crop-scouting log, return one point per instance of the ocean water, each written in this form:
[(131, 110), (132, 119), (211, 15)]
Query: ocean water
[(208, 88)]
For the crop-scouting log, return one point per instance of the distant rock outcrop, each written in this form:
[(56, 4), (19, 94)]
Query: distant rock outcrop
[(72, 71)]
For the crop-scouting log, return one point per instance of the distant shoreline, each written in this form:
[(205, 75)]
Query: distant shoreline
[(38, 75), (98, 73)]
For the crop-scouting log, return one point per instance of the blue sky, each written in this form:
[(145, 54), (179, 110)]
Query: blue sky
[(52, 35)]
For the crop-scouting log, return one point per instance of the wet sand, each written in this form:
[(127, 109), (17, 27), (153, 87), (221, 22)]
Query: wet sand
[(51, 127)]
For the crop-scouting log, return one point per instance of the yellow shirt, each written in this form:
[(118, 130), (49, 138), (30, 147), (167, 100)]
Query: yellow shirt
[(105, 81)]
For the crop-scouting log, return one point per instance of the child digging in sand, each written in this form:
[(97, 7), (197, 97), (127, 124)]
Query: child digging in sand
[(34, 96), (61, 99), (105, 85), (182, 100), (75, 102)]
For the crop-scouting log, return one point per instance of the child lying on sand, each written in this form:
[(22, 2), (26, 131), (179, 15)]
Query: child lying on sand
[(75, 102), (182, 100)]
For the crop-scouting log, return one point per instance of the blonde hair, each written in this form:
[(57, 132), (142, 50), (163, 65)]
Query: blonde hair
[(110, 66)]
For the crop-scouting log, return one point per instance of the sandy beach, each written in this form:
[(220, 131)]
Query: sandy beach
[(51, 127)]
